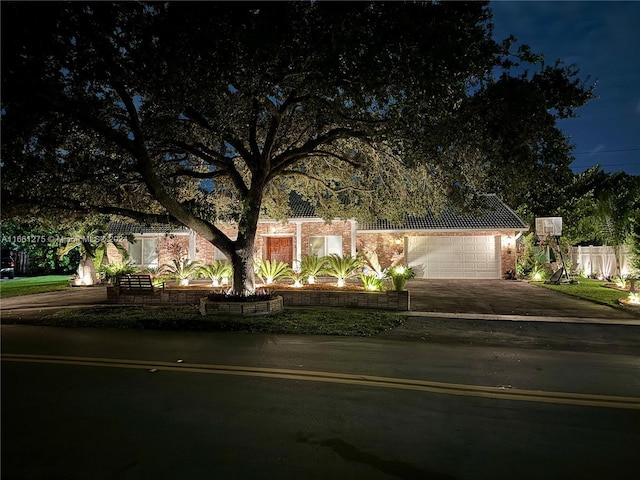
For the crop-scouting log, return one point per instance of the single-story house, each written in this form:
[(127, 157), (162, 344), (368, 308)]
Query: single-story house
[(450, 246)]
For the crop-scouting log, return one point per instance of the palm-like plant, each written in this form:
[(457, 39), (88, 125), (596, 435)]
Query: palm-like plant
[(270, 271), (217, 272), (297, 277), (342, 268), (92, 240), (111, 271), (312, 266), (181, 269)]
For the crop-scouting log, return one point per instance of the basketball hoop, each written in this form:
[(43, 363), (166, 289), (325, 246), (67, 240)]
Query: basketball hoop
[(549, 226), (552, 227)]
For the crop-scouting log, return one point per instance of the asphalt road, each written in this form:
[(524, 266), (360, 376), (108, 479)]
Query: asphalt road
[(100, 404)]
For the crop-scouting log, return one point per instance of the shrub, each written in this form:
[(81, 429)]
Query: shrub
[(539, 273), (216, 272), (399, 275), (181, 270), (111, 271), (372, 283), (271, 271), (297, 277), (313, 266), (342, 268), (261, 294)]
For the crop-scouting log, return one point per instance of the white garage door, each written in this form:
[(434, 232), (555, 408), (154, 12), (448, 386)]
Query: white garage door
[(454, 257)]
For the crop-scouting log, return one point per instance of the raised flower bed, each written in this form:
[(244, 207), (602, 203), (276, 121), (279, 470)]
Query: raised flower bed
[(320, 294), (390, 300), (259, 304)]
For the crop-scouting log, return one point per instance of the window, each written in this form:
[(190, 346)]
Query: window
[(144, 252), (327, 245), (218, 255)]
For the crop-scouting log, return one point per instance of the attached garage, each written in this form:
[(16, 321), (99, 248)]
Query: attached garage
[(451, 245), (454, 257)]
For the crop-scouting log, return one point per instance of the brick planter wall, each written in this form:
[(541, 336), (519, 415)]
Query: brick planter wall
[(373, 300), (330, 298), (167, 296), (265, 307)]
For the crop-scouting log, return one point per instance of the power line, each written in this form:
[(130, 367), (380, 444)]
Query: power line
[(595, 152), (574, 164)]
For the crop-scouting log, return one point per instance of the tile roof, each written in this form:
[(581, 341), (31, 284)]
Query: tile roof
[(128, 228), (496, 216), (300, 208)]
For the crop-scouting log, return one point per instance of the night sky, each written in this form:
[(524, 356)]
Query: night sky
[(603, 40)]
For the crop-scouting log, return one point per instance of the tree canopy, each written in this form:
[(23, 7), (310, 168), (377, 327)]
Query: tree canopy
[(212, 111)]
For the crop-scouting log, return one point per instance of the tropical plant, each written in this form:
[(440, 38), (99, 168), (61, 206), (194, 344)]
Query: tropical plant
[(112, 271), (399, 275), (181, 270), (539, 273), (372, 283), (529, 255), (297, 278), (342, 268), (217, 272), (92, 239), (313, 266), (620, 281), (270, 271)]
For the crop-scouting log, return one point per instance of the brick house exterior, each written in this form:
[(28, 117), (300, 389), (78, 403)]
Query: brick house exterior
[(449, 246)]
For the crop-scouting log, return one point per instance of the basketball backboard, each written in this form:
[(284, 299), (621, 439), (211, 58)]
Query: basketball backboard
[(546, 226)]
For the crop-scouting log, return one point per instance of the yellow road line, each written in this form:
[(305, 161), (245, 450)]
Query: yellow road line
[(564, 398)]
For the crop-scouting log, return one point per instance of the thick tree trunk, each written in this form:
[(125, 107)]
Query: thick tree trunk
[(243, 274), (87, 271)]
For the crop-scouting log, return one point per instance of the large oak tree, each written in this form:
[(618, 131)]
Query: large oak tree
[(199, 113)]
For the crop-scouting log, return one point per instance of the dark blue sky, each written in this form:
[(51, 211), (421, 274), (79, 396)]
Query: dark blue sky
[(603, 39)]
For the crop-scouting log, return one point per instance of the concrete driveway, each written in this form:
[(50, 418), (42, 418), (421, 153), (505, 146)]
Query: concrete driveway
[(503, 297)]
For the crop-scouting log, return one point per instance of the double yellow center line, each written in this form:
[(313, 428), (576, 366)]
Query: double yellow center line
[(502, 393)]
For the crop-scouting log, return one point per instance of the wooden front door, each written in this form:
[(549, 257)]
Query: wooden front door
[(280, 248)]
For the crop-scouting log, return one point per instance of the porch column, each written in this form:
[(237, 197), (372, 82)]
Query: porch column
[(353, 237), (192, 245), (298, 241)]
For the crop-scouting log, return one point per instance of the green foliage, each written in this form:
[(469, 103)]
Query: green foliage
[(634, 245), (113, 270), (342, 268), (539, 272), (218, 270), (313, 266), (181, 269), (399, 276), (297, 277), (601, 208), (372, 282), (530, 256), (39, 242), (271, 271)]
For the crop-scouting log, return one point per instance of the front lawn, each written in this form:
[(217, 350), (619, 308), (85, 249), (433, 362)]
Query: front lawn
[(316, 321), (590, 290), (26, 286)]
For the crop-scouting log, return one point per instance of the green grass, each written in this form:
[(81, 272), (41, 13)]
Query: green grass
[(316, 321), (26, 286), (589, 289)]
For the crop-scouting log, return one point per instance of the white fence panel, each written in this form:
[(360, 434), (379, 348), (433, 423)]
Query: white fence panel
[(596, 260)]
